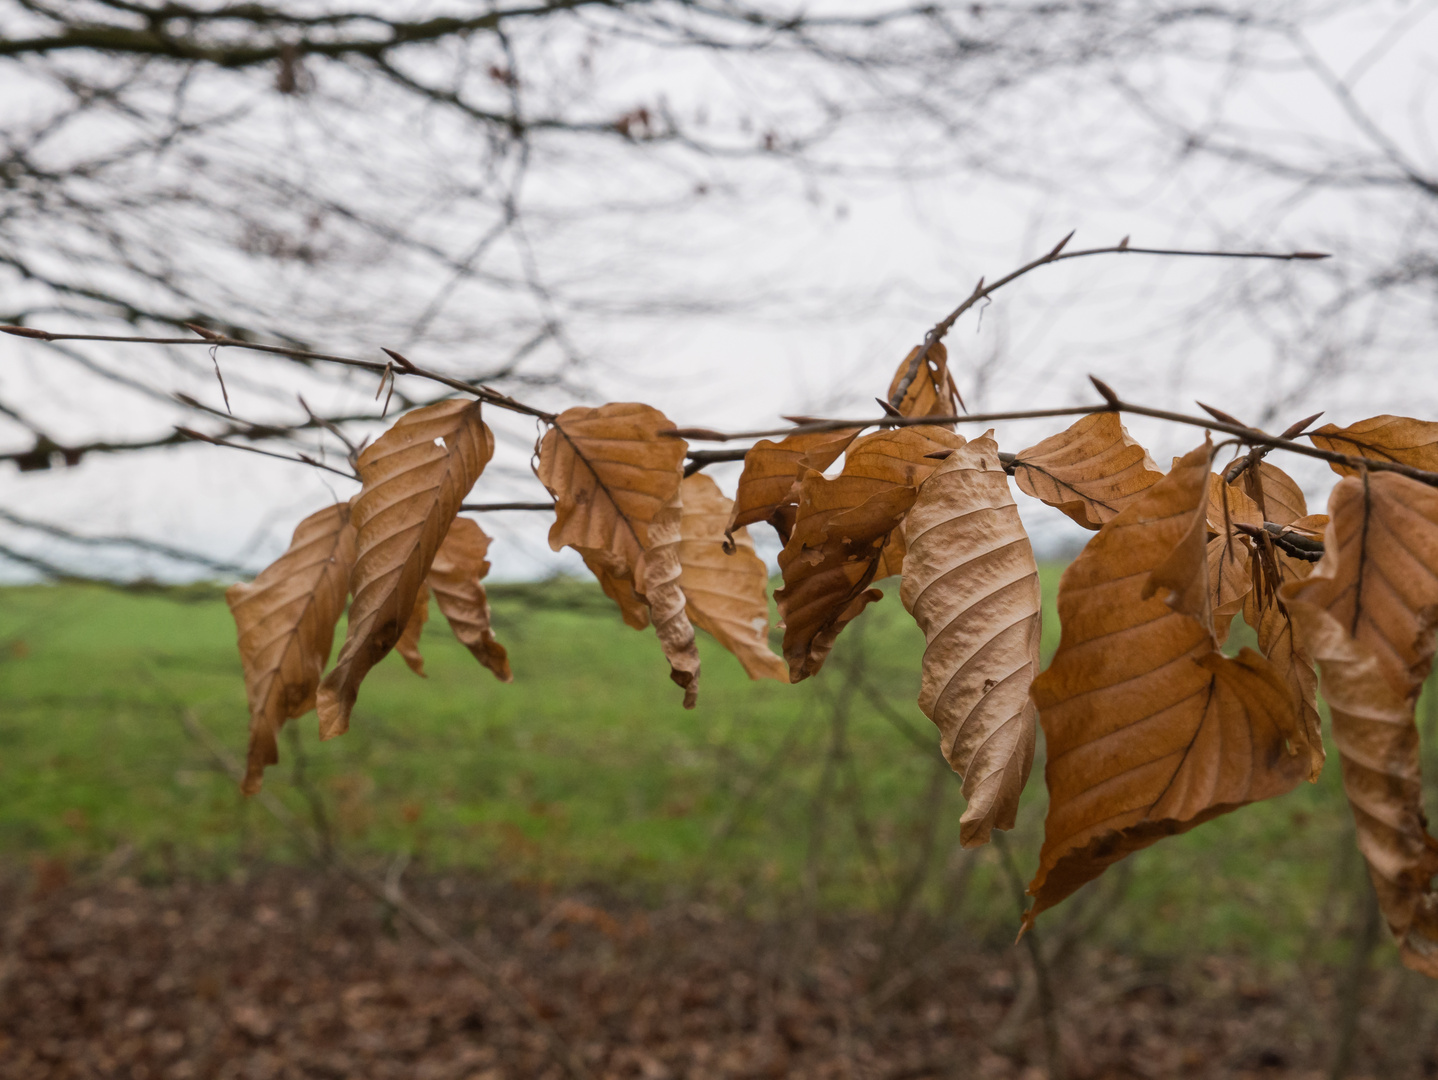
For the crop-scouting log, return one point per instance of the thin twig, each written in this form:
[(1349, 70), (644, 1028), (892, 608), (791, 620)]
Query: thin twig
[(1247, 435), (983, 290), (397, 365)]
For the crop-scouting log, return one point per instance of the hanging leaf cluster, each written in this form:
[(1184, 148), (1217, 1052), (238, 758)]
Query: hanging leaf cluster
[(1150, 728)]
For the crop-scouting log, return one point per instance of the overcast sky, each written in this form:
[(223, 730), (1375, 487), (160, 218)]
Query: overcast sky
[(821, 281)]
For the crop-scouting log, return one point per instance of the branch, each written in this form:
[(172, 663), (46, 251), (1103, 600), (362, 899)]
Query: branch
[(983, 291), (1247, 435), (397, 365)]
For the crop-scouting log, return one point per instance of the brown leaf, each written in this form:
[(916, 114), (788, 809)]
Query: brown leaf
[(632, 607), (925, 389), (1367, 613), (656, 580), (1149, 729), (770, 480), (1229, 580), (408, 644), (1381, 438), (829, 561), (841, 530), (286, 620), (727, 595), (1278, 642), (610, 472), (972, 585), (415, 476), (1090, 471), (1229, 504), (615, 480), (455, 578), (1282, 498)]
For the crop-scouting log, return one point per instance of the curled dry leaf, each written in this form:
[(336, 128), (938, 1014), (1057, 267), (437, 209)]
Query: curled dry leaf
[(657, 582), (1381, 438), (1367, 613), (621, 590), (615, 480), (455, 578), (1090, 471), (1229, 580), (415, 476), (1277, 640), (925, 389), (727, 594), (408, 644), (286, 620), (1150, 730), (840, 536), (770, 481), (828, 563), (972, 585)]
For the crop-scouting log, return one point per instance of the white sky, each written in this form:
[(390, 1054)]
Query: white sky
[(845, 275)]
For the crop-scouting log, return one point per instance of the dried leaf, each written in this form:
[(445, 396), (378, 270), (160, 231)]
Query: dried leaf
[(656, 579), (925, 389), (621, 590), (1367, 613), (1090, 471), (727, 594), (840, 535), (1283, 501), (1149, 729), (455, 578), (408, 644), (770, 480), (972, 585), (1229, 580), (1381, 438), (829, 561), (615, 479), (415, 476), (286, 620), (1278, 642), (1228, 504), (610, 472)]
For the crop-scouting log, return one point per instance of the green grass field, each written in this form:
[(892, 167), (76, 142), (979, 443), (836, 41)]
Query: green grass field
[(587, 769)]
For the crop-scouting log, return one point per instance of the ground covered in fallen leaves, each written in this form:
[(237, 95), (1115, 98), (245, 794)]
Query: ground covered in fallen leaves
[(296, 973)]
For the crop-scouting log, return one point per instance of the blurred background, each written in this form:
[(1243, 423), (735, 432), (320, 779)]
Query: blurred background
[(731, 211)]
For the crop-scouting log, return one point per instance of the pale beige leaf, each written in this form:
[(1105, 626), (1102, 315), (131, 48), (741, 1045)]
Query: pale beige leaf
[(727, 595), (1367, 614), (1150, 731), (770, 481), (656, 579), (972, 585), (459, 567), (286, 621), (1090, 471), (924, 389), (1381, 438), (415, 476), (408, 644)]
